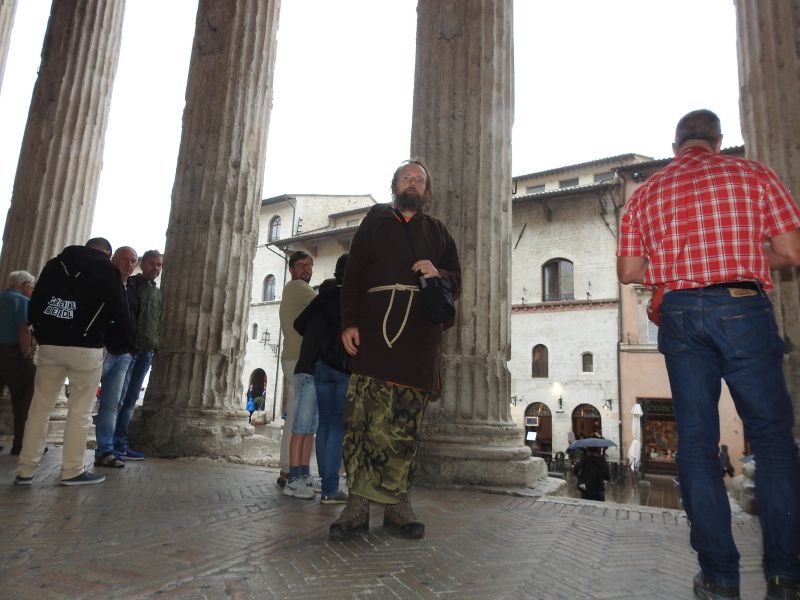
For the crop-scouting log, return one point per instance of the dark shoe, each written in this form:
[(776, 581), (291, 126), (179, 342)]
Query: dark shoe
[(353, 519), (400, 519), (109, 460), (706, 589), (781, 588), (339, 497), (282, 479), (84, 478), (19, 480), (129, 454), (15, 451)]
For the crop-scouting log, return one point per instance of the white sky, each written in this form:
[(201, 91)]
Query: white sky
[(593, 79)]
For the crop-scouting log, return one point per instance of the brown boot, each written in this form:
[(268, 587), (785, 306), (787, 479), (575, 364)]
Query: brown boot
[(353, 519), (400, 519)]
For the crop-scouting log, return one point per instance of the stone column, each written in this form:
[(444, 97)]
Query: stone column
[(55, 187), (769, 79), (7, 9), (462, 117), (193, 401)]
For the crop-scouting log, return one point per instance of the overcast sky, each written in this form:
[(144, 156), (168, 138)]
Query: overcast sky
[(593, 79)]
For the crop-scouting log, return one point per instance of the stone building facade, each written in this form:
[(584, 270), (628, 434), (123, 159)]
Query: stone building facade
[(321, 225)]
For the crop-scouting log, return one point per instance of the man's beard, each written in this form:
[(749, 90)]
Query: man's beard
[(408, 200)]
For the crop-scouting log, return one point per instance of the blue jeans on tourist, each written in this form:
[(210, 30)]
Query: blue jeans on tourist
[(707, 335), (137, 371), (305, 404), (112, 385), (331, 387)]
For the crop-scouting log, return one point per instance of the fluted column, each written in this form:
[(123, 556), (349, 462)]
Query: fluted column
[(769, 79), (55, 187), (7, 9), (192, 404), (463, 112)]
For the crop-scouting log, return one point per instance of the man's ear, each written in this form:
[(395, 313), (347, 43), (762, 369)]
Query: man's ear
[(718, 145)]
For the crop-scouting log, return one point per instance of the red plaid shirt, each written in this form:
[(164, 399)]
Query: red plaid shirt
[(704, 218)]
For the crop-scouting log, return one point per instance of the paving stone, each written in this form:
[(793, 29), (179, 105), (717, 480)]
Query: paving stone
[(209, 530)]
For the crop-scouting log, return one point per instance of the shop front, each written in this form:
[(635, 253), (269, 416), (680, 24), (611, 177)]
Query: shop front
[(659, 436)]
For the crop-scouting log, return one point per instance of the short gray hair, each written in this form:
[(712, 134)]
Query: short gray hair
[(17, 278)]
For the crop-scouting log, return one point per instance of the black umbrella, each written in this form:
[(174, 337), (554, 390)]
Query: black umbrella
[(592, 442)]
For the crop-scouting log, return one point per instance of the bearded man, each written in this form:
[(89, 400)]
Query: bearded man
[(395, 350)]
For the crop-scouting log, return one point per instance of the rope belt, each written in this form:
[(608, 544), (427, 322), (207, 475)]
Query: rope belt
[(395, 287)]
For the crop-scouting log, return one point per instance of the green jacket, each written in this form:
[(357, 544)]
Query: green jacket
[(149, 324)]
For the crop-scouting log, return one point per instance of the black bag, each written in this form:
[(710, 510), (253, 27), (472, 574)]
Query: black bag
[(436, 296), (435, 293)]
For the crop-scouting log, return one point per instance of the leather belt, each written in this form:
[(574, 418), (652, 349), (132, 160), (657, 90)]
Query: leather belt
[(742, 285)]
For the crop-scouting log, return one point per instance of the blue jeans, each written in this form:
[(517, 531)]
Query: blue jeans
[(707, 335), (331, 387), (112, 385), (137, 370), (305, 404)]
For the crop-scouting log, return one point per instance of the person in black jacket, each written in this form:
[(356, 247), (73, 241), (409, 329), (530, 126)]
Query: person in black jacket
[(592, 471), (76, 307), (115, 367), (320, 325)]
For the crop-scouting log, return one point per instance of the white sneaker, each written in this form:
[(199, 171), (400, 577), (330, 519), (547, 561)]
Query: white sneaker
[(298, 489), (315, 483)]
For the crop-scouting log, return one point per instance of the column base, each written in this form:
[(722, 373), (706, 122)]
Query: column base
[(169, 433), (480, 455)]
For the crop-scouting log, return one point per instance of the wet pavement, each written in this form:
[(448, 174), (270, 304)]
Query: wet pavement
[(202, 530)]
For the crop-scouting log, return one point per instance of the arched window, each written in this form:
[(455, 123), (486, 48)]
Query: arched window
[(539, 359), (557, 280), (269, 289), (274, 229), (255, 331), (587, 360)]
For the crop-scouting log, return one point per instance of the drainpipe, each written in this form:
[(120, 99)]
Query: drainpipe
[(622, 453)]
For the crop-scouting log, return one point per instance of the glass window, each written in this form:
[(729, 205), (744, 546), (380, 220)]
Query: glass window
[(269, 289), (539, 361), (255, 331), (604, 176), (557, 280), (532, 189), (568, 183), (274, 229), (587, 362)]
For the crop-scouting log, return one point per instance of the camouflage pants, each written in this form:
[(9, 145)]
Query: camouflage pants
[(381, 431)]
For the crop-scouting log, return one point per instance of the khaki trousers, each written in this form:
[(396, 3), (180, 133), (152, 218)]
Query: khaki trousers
[(287, 366), (54, 364)]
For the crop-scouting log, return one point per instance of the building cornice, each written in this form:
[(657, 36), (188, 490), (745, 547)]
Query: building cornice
[(565, 305)]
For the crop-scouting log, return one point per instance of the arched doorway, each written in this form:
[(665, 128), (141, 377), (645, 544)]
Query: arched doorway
[(539, 428), (258, 379), (586, 421)]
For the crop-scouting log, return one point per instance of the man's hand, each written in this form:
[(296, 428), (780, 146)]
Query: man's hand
[(351, 340), (426, 268), (631, 269), (783, 250)]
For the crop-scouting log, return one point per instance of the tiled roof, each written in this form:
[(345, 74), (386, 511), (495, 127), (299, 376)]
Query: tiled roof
[(600, 161), (569, 191)]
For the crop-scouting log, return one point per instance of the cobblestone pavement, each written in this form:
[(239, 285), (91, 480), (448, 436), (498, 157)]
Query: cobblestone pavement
[(195, 529)]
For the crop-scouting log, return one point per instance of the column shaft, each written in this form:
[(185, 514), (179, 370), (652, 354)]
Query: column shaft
[(55, 187), (769, 79), (463, 113), (193, 399), (7, 10)]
